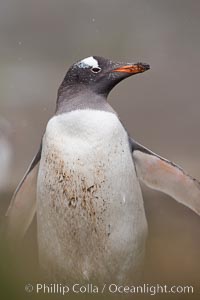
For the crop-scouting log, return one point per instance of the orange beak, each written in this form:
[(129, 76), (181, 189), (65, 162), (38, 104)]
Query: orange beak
[(133, 69)]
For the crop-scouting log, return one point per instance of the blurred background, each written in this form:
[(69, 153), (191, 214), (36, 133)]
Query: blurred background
[(39, 40)]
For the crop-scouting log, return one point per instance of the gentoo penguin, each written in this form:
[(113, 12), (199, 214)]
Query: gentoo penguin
[(83, 184)]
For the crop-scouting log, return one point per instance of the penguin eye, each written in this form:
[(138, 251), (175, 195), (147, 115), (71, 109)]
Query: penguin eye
[(96, 70)]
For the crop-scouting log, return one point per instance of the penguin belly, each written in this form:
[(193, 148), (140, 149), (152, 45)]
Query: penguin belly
[(90, 213)]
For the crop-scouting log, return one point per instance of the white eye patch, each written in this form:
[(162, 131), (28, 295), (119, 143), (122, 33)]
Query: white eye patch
[(89, 62)]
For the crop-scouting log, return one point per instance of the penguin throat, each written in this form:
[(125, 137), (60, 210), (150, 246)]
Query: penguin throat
[(70, 100)]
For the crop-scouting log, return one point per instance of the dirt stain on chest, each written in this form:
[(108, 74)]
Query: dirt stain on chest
[(77, 197)]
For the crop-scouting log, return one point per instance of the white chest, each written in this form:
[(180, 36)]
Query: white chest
[(90, 208)]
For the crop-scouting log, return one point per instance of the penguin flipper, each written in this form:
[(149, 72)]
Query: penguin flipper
[(163, 175), (22, 207)]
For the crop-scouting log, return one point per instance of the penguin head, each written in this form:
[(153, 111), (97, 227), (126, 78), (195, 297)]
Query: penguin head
[(99, 75)]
